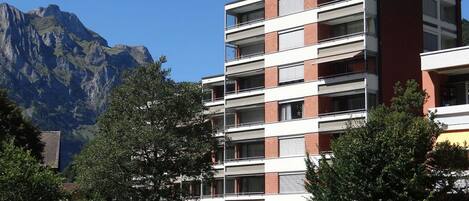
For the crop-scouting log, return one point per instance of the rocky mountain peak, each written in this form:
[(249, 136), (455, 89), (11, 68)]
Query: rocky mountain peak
[(51, 10), (10, 14), (60, 71)]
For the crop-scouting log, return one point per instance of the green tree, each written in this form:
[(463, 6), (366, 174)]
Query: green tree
[(14, 126), (391, 156), (153, 131), (22, 178)]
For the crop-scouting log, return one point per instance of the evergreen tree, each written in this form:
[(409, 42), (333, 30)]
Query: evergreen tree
[(153, 131), (391, 156), (14, 126)]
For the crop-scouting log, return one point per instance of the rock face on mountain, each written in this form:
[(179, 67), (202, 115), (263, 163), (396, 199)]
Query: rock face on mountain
[(59, 71)]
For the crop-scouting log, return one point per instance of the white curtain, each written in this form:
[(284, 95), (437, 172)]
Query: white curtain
[(290, 6), (291, 40), (293, 73), (292, 183), (286, 112), (292, 147)]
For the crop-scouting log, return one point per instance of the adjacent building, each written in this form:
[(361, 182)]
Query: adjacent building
[(445, 75), (51, 152), (296, 71)]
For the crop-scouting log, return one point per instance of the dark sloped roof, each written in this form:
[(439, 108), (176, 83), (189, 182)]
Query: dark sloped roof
[(51, 140)]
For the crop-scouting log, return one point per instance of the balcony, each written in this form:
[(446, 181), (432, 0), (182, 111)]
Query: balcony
[(346, 67), (218, 125), (244, 151), (245, 185), (245, 49), (212, 189), (245, 15), (453, 107), (341, 103), (449, 62), (214, 91), (246, 84), (245, 118)]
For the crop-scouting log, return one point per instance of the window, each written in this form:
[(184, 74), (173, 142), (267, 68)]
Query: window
[(292, 147), (250, 50), (347, 103), (251, 117), (290, 6), (456, 92), (430, 8), (291, 74), (448, 13), (292, 183), (218, 187), (430, 41), (251, 184), (448, 42), (291, 39), (219, 155), (251, 16), (251, 82), (251, 150), (347, 28), (206, 189), (293, 110)]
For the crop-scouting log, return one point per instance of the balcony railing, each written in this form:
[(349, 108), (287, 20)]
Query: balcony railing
[(245, 158), (244, 194), (342, 112), (247, 56), (237, 25), (330, 2), (213, 99), (245, 90), (248, 124), (341, 37)]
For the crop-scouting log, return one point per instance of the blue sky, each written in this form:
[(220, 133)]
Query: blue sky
[(190, 34)]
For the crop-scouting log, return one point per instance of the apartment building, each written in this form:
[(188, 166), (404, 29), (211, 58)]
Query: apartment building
[(445, 76), (297, 71)]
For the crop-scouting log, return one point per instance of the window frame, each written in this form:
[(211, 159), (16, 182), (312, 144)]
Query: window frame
[(281, 115)]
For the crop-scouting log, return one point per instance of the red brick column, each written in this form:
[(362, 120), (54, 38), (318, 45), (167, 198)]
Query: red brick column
[(311, 70), (271, 9), (271, 183), (271, 147), (309, 4), (431, 84), (271, 77), (271, 112), (311, 107), (271, 42), (312, 143), (311, 34)]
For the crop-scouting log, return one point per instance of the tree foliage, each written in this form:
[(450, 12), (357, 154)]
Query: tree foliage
[(391, 157), (14, 126), (22, 178), (153, 132)]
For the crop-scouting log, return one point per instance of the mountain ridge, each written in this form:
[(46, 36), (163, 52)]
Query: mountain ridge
[(60, 71)]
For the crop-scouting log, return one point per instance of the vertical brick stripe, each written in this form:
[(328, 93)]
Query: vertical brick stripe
[(271, 183), (311, 106), (271, 77), (271, 42), (312, 143), (271, 147), (311, 34), (311, 70), (271, 9), (271, 112), (309, 4)]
